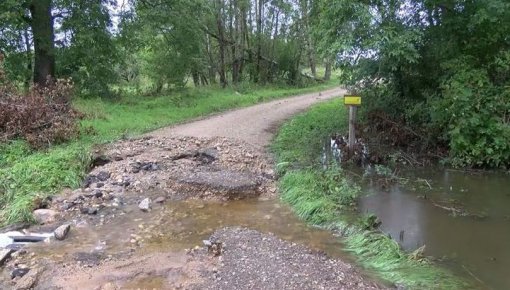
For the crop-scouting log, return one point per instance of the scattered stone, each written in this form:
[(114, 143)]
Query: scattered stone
[(89, 210), (208, 155), (5, 255), (19, 272), (160, 199), (91, 179), (269, 174), (45, 216), (99, 184), (67, 205), (145, 205), (98, 194), (61, 232), (100, 160), (146, 166), (103, 176), (29, 280), (122, 181), (215, 248)]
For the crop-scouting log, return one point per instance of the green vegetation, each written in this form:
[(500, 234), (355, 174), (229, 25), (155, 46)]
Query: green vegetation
[(326, 198), (135, 66), (441, 68), (26, 174)]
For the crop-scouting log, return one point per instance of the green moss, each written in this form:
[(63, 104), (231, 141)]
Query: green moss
[(326, 198)]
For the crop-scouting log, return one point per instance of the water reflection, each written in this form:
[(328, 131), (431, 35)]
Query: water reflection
[(471, 246)]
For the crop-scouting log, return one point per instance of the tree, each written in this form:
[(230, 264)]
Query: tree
[(87, 53), (41, 22), (438, 67)]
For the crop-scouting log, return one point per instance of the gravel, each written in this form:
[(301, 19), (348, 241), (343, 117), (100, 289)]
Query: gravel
[(253, 260)]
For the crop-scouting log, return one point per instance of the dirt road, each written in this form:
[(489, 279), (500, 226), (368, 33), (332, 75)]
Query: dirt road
[(254, 125), (187, 207)]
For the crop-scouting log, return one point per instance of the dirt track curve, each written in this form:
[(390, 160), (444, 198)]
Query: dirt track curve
[(255, 125)]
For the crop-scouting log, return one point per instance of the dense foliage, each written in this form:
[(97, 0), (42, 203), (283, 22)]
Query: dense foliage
[(151, 45), (436, 72), (439, 67)]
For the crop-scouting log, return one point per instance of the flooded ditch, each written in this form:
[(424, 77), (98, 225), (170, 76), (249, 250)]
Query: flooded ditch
[(462, 218)]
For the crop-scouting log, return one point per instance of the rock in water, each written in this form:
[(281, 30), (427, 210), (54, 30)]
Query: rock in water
[(145, 205), (29, 280), (62, 231), (45, 216)]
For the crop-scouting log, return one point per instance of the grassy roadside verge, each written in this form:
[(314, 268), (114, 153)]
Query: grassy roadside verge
[(327, 198), (26, 175)]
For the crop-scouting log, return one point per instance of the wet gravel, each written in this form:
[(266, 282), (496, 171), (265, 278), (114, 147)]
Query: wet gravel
[(254, 260)]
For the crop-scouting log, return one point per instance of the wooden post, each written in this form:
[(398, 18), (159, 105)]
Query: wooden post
[(353, 102), (352, 128)]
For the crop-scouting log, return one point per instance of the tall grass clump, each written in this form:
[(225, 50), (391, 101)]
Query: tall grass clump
[(39, 175)]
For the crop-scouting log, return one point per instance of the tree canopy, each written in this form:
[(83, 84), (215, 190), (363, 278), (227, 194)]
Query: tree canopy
[(441, 68)]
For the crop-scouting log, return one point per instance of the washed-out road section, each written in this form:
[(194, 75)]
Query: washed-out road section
[(141, 216)]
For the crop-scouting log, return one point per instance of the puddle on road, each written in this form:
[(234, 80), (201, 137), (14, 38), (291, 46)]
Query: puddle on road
[(176, 226), (472, 246), (181, 225)]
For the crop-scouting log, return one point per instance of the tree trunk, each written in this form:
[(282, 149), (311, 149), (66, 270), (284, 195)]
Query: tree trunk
[(44, 47), (196, 78), (211, 68), (327, 73), (259, 40), (310, 50), (221, 42), (28, 54), (234, 33), (203, 80)]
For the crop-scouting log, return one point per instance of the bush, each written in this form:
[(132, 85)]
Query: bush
[(42, 116), (473, 113)]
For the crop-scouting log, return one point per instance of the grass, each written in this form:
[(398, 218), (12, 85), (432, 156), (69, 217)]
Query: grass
[(327, 198), (26, 175)]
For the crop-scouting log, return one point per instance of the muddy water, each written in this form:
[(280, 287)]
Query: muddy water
[(476, 246), (176, 226)]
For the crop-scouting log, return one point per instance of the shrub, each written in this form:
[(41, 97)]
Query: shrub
[(473, 113), (42, 116)]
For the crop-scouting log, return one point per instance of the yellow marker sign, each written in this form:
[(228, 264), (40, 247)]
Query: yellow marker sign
[(352, 100)]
